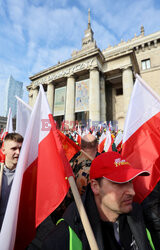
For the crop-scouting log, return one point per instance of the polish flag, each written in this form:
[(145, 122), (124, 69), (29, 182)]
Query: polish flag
[(102, 140), (141, 138), (40, 182), (9, 126), (108, 142), (118, 141), (101, 145), (105, 142), (22, 116)]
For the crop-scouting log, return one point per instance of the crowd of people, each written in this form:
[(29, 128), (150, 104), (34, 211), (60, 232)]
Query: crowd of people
[(105, 183)]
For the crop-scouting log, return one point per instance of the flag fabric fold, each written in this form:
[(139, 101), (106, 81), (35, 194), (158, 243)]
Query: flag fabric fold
[(141, 138), (105, 142), (69, 146), (9, 125), (22, 116), (40, 182)]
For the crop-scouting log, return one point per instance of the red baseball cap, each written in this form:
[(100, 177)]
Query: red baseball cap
[(114, 167)]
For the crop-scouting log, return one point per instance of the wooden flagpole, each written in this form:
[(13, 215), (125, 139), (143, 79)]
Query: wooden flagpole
[(81, 210), (87, 155)]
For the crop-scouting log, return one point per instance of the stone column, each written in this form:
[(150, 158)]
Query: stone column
[(70, 101), (94, 96), (50, 95), (102, 99), (30, 97), (127, 82), (35, 93)]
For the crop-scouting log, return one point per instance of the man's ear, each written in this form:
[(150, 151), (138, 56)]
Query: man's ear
[(3, 149), (95, 186)]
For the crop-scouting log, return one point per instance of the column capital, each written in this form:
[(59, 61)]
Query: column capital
[(71, 76), (94, 68), (35, 87), (29, 87), (126, 67), (49, 83)]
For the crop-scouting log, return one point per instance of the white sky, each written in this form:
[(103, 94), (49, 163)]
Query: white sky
[(36, 34)]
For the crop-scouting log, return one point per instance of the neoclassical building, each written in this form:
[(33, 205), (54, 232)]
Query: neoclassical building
[(95, 85)]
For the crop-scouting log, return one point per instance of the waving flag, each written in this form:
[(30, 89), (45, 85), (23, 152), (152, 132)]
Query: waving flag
[(141, 138), (108, 142), (40, 182), (9, 126), (23, 116), (69, 146)]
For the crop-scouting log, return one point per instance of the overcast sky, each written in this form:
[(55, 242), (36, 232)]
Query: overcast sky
[(36, 34)]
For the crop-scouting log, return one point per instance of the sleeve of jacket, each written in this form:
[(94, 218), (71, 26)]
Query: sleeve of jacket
[(151, 211), (138, 227), (58, 238)]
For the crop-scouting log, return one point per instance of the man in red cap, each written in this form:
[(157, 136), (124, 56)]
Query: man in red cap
[(116, 221)]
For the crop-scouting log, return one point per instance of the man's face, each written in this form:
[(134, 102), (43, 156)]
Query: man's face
[(11, 150), (114, 198)]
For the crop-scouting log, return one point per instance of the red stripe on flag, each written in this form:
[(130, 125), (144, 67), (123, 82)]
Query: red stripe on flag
[(26, 229), (69, 146), (101, 146), (142, 150), (66, 165), (51, 183)]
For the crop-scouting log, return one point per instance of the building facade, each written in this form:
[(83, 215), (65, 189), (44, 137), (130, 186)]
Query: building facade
[(94, 85), (13, 88), (3, 123)]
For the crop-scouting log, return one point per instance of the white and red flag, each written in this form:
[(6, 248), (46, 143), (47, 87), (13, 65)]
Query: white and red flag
[(108, 142), (22, 116), (40, 182), (141, 138), (105, 142), (9, 125)]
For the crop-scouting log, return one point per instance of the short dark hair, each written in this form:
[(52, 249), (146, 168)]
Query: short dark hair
[(99, 180), (13, 137)]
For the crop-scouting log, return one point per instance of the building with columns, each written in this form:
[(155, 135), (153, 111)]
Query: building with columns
[(94, 85)]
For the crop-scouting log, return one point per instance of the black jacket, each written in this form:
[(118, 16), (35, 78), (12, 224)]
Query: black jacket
[(151, 210), (59, 238)]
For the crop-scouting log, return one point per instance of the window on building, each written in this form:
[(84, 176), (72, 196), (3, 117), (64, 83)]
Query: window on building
[(146, 64)]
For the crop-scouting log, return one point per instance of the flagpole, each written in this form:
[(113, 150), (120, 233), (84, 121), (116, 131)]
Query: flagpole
[(76, 195), (87, 155), (25, 104), (83, 215)]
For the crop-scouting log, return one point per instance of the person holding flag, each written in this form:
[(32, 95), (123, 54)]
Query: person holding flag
[(11, 149), (116, 221)]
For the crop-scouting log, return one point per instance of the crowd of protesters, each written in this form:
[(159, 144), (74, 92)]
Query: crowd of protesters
[(107, 193)]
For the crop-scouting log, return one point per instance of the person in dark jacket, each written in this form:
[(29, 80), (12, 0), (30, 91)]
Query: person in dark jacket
[(116, 221), (151, 210)]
